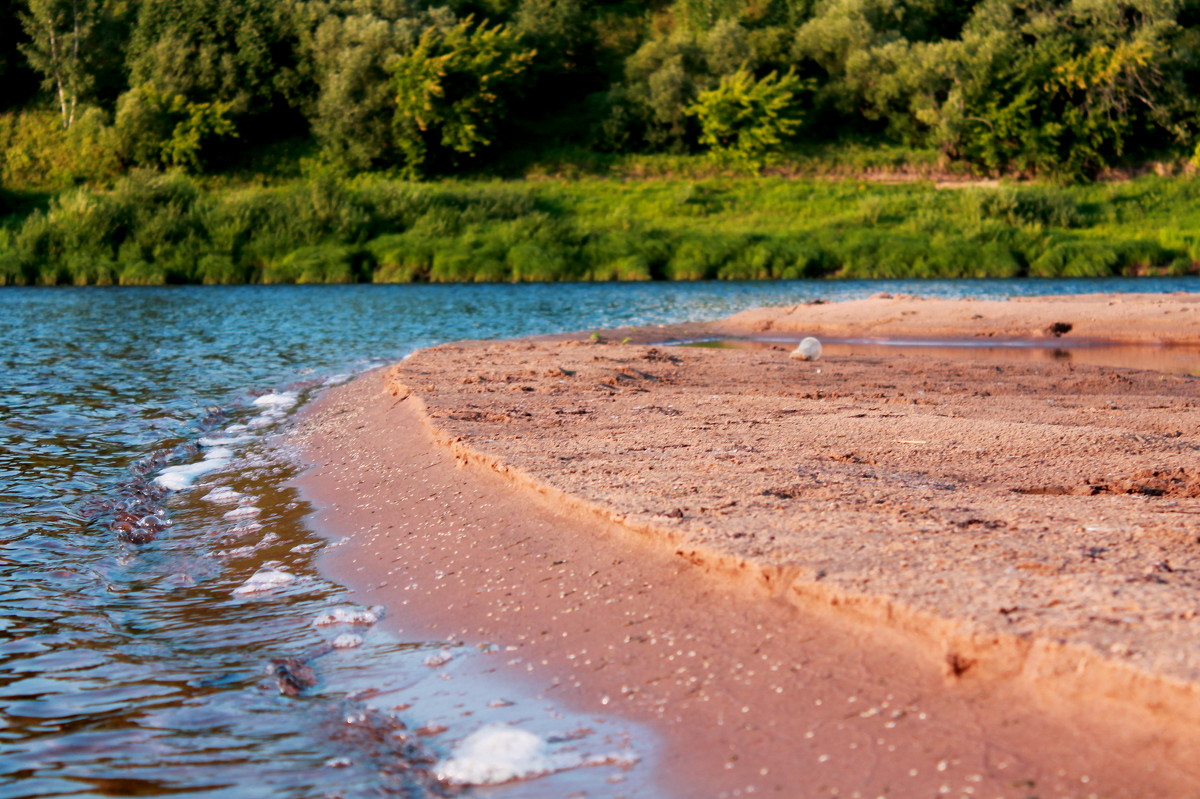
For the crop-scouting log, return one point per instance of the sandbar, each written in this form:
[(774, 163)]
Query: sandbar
[(887, 574)]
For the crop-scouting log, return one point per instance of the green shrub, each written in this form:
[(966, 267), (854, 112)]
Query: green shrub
[(1039, 205), (213, 268), (1144, 257), (140, 273), (15, 266), (745, 119), (450, 91), (867, 254), (326, 263), (623, 255), (400, 258), (529, 262), (628, 267), (1076, 259), (694, 259), (473, 257), (162, 128), (37, 153)]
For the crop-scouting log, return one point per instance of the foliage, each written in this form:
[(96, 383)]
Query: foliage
[(351, 55), (64, 45), (1064, 90), (164, 129), (36, 152), (153, 228), (246, 54), (745, 119), (1045, 88), (451, 91)]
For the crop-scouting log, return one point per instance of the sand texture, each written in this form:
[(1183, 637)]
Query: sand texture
[(1012, 547), (1146, 318)]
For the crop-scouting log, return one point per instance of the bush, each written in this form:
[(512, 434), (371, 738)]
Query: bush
[(401, 258), (450, 92), (744, 120), (472, 257), (1076, 259), (37, 153), (622, 255), (15, 267), (1040, 205), (164, 129), (213, 268), (694, 259), (326, 263), (531, 263)]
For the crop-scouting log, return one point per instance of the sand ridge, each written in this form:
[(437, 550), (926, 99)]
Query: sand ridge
[(1145, 318)]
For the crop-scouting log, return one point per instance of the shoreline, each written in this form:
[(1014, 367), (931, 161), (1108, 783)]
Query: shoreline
[(1016, 692)]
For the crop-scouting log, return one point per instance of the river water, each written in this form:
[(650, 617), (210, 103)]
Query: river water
[(156, 569)]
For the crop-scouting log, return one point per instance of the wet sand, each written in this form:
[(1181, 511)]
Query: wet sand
[(861, 576)]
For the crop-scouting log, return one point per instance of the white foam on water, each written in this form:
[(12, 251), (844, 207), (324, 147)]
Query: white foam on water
[(237, 552), (336, 380), (304, 549), (244, 528), (266, 420), (177, 478), (347, 616), (243, 512), (499, 753), (223, 495), (265, 579), (494, 754), (282, 400), (236, 428), (440, 658), (223, 441), (347, 641)]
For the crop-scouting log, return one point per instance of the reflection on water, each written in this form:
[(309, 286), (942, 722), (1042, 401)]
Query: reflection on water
[(130, 661)]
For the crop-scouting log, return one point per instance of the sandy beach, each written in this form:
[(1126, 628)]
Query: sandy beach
[(885, 574)]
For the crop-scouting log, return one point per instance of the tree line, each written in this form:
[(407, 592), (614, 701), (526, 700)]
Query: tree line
[(95, 88)]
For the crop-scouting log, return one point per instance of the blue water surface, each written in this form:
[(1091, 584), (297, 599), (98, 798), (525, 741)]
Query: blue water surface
[(132, 668)]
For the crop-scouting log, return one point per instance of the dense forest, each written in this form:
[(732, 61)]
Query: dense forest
[(139, 138)]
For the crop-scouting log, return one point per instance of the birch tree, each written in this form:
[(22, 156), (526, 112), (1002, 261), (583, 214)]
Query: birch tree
[(60, 48)]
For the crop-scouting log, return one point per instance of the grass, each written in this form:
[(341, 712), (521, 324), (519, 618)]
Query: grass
[(152, 228)]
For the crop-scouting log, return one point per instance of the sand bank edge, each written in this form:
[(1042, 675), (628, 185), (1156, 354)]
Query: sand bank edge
[(1055, 672)]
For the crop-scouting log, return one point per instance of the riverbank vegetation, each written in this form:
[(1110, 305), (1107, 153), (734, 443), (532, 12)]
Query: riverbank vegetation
[(166, 229), (147, 141)]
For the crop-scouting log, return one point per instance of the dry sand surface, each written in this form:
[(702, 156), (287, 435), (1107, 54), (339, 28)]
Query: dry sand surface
[(892, 574)]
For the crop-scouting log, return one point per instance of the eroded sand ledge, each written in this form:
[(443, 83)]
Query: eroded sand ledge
[(1024, 536)]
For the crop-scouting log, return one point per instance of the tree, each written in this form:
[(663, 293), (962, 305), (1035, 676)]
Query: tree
[(451, 92), (746, 120), (873, 60), (350, 55), (165, 129), (245, 53), (1065, 90), (60, 47)]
